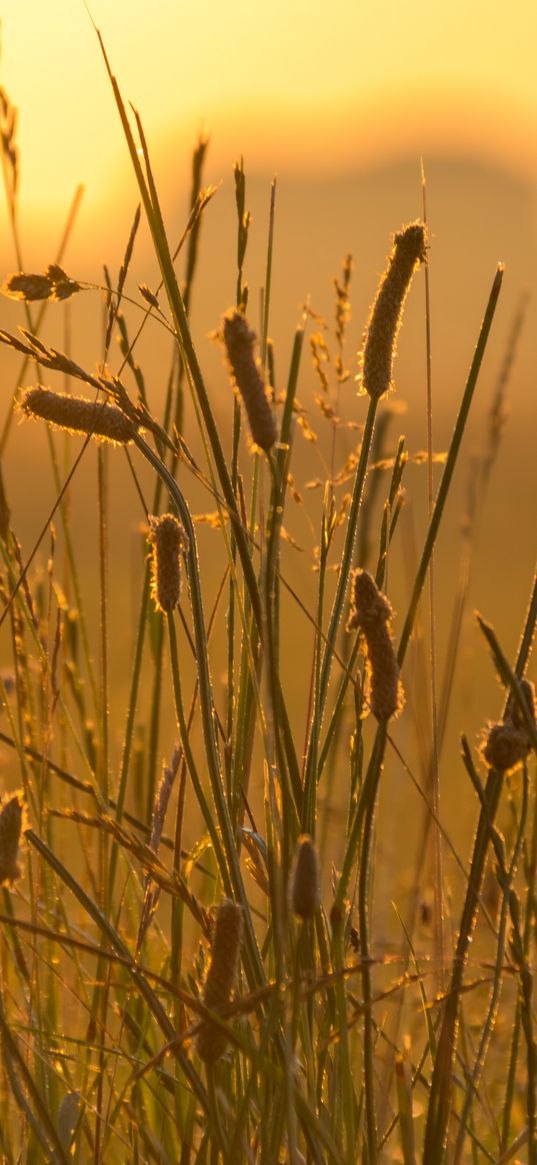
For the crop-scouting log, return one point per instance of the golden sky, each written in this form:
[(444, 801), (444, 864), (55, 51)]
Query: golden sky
[(316, 84)]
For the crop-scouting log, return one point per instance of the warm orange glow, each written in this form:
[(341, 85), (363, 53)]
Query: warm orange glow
[(307, 84)]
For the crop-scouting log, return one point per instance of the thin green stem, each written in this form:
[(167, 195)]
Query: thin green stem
[(451, 461), (507, 876), (344, 570), (230, 869), (441, 1084), (207, 813)]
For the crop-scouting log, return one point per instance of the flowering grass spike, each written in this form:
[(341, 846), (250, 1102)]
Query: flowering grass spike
[(78, 415), (506, 744), (245, 369), (166, 540), (305, 893), (54, 284), (371, 613), (212, 1040), (380, 337), (10, 832)]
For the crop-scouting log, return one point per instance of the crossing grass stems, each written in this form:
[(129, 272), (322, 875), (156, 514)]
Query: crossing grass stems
[(211, 988)]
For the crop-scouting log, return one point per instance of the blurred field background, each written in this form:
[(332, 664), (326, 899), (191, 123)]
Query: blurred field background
[(339, 101), (342, 102)]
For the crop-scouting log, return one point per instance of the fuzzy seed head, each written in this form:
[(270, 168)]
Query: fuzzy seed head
[(245, 370), (369, 607), (305, 891), (380, 337), (505, 746), (371, 613), (10, 832), (211, 1041), (27, 287), (166, 539), (78, 415), (54, 284)]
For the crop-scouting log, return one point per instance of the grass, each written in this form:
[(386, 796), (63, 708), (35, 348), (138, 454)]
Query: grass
[(193, 964)]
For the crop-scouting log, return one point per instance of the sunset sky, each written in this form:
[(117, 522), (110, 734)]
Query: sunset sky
[(318, 85)]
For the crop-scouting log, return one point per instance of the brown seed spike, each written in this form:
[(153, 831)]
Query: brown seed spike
[(212, 1041), (78, 415), (239, 342), (505, 747), (166, 538), (305, 893), (148, 295), (371, 613), (369, 605), (506, 743), (380, 337), (10, 832), (54, 284), (28, 287), (64, 286)]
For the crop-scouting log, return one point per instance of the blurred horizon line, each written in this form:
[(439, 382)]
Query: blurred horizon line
[(317, 145)]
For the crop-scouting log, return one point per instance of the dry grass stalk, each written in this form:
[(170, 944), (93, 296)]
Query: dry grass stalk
[(380, 337), (212, 1041), (8, 144), (163, 797), (371, 613), (245, 369), (305, 891), (78, 415), (513, 710), (160, 809), (10, 832), (166, 539)]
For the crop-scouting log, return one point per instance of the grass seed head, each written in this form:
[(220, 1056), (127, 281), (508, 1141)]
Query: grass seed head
[(148, 295), (211, 1041), (305, 891), (10, 832), (78, 415), (505, 746), (380, 337), (371, 613), (369, 607), (27, 287), (239, 343), (54, 284), (166, 539), (506, 743)]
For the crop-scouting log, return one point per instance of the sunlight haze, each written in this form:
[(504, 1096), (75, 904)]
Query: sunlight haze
[(310, 86)]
